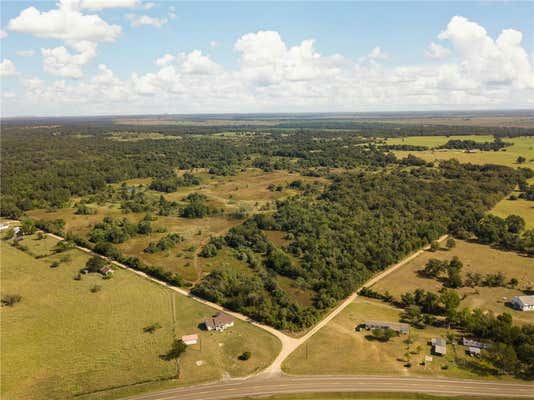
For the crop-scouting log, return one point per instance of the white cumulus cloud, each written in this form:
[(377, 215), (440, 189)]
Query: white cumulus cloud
[(275, 75), (501, 61), (66, 23), (59, 61), (437, 52), (197, 63), (137, 21), (102, 4), (164, 60), (7, 68)]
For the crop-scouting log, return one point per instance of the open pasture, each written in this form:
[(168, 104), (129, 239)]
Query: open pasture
[(338, 349), (475, 258), (62, 340), (250, 190), (522, 146)]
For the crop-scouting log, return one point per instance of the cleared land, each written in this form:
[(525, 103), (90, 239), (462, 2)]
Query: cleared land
[(475, 258), (522, 146), (63, 340), (520, 121), (248, 190), (338, 349), (523, 208)]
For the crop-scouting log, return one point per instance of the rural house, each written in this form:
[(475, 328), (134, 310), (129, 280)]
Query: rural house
[(523, 303), (473, 343), (219, 322), (190, 339), (398, 327), (439, 346)]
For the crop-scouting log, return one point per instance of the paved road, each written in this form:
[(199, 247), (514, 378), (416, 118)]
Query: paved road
[(317, 384), (289, 346)]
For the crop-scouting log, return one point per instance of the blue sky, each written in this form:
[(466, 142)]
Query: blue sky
[(341, 71)]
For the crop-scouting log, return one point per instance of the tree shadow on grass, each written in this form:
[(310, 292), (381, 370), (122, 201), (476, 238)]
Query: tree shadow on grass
[(476, 367)]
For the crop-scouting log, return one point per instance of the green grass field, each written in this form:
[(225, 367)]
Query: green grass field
[(62, 340), (338, 349), (476, 258), (523, 208), (522, 146)]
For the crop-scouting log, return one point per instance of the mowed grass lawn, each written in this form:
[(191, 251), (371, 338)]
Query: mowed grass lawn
[(62, 340), (338, 349), (475, 258), (522, 146)]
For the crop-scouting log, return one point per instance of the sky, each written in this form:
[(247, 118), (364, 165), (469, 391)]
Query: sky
[(109, 57)]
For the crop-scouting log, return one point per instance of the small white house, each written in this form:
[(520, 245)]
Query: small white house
[(190, 339), (523, 303)]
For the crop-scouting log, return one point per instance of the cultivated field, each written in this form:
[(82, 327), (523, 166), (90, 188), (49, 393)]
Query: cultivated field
[(475, 258), (338, 349), (62, 340), (522, 146)]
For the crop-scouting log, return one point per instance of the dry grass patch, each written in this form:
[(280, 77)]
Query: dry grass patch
[(476, 258), (339, 350), (82, 224)]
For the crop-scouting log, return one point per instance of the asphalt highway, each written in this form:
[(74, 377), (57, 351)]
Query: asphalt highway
[(236, 389)]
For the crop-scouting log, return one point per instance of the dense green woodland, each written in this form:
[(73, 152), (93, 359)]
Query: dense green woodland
[(366, 218), (44, 166), (361, 224)]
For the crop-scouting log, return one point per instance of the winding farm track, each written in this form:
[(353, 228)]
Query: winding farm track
[(273, 381)]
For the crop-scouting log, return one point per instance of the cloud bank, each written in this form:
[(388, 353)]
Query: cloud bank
[(463, 68)]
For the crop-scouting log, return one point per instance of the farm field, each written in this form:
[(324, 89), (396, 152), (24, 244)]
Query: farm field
[(62, 340), (338, 349), (475, 258), (522, 146), (520, 121)]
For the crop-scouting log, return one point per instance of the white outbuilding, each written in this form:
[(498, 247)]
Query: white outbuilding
[(523, 303)]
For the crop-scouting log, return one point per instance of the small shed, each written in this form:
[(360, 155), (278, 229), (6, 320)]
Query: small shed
[(439, 346), (190, 339), (473, 351)]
